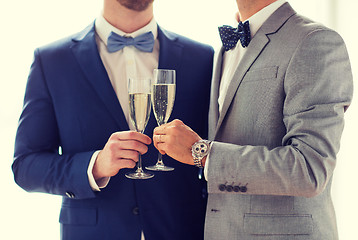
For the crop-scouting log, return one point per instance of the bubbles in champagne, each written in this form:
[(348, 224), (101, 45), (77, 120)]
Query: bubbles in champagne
[(163, 100), (139, 104)]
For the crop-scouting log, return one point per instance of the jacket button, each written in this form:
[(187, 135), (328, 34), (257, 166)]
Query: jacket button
[(70, 195), (222, 187), (243, 189), (135, 211), (236, 189), (229, 188)]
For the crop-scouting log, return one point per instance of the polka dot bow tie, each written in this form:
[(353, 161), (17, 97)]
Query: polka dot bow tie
[(230, 36)]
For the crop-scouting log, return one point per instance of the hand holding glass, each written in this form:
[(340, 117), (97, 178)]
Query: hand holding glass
[(139, 90), (163, 95)]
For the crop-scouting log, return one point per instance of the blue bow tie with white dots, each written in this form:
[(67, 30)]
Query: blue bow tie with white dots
[(230, 36)]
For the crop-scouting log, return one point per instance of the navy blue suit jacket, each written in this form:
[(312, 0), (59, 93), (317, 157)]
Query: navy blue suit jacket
[(70, 103)]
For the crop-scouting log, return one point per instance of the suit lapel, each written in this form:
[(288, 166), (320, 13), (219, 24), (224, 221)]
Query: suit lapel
[(257, 45), (170, 50), (86, 52), (214, 95)]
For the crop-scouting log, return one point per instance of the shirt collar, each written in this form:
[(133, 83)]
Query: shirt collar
[(104, 28), (261, 16)]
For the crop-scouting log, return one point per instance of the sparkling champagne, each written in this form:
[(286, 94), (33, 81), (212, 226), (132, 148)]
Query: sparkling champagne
[(163, 96), (139, 104)]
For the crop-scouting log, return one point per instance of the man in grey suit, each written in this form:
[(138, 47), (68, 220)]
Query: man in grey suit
[(276, 117)]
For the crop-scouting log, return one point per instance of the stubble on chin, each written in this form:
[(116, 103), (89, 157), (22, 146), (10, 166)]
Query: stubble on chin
[(136, 5)]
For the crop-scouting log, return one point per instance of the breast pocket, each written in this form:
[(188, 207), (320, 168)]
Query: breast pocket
[(261, 74)]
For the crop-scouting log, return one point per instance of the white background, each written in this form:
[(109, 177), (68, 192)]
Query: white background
[(26, 25)]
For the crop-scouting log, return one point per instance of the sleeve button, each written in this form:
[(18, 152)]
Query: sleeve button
[(229, 188), (222, 187), (243, 189), (70, 195), (236, 189)]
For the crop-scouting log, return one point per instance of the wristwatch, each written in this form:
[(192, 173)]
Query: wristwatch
[(199, 150)]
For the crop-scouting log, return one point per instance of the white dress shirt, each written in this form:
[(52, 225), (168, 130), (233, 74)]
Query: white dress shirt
[(232, 58), (121, 65)]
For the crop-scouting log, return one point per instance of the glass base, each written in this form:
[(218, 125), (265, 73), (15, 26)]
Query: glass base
[(162, 168), (139, 175)]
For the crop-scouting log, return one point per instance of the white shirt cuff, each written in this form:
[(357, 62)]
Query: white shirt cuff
[(100, 183), (207, 163)]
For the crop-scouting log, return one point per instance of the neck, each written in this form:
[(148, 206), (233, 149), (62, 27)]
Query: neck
[(247, 8), (125, 19)]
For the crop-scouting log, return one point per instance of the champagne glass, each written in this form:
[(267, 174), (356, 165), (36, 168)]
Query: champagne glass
[(139, 90), (163, 95)]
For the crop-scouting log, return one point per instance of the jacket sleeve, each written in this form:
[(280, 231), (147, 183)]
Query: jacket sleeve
[(39, 165)]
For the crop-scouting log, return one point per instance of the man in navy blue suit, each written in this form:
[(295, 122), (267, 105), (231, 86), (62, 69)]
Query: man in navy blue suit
[(74, 137)]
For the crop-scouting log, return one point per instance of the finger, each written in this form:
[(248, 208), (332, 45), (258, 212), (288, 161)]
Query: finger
[(160, 138), (162, 152), (132, 146), (158, 144), (159, 130), (126, 163), (127, 155), (132, 135), (156, 140), (160, 147)]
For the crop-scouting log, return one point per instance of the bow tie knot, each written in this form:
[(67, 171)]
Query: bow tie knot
[(230, 36), (144, 42)]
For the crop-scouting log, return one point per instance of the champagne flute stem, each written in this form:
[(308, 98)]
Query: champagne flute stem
[(139, 165), (160, 160), (160, 156)]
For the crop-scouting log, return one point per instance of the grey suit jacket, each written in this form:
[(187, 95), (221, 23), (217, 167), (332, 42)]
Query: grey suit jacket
[(277, 137)]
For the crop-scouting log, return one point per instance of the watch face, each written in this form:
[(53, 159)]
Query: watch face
[(200, 149)]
